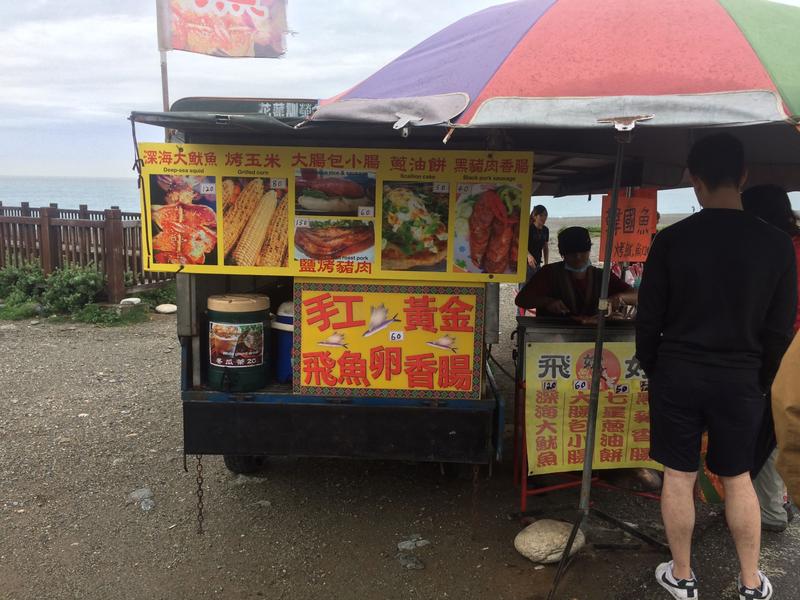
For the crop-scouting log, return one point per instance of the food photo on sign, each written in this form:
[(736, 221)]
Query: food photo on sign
[(184, 219), (255, 221), (334, 193), (414, 226), (487, 228), (334, 239)]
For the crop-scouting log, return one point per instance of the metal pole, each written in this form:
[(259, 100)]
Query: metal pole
[(165, 91), (597, 364), (597, 369), (164, 81)]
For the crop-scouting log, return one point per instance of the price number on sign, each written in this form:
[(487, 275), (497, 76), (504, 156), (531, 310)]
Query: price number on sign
[(580, 385), (397, 336), (622, 388), (644, 385), (441, 188), (208, 188), (277, 184), (302, 223), (366, 211), (464, 188), (549, 385)]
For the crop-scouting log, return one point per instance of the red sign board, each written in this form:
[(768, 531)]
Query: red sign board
[(635, 227)]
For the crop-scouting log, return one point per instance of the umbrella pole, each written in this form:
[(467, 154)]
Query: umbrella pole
[(586, 482)]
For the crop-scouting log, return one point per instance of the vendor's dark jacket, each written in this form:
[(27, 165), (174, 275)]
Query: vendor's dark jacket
[(580, 295)]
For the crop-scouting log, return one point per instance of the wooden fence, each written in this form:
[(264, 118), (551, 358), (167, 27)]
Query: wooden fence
[(110, 240)]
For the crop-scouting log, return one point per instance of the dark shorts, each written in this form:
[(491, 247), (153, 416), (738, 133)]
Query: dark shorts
[(687, 399)]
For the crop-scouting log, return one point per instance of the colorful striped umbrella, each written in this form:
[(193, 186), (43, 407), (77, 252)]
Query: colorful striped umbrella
[(566, 63)]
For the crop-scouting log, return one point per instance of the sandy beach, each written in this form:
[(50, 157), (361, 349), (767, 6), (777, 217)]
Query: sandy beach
[(555, 224)]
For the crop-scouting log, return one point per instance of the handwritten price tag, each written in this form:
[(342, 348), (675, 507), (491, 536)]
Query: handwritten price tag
[(464, 188), (580, 385), (208, 188), (441, 188), (397, 336), (277, 184), (366, 211), (302, 223)]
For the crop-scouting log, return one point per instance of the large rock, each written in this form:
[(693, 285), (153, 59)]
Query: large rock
[(544, 541), (166, 309)]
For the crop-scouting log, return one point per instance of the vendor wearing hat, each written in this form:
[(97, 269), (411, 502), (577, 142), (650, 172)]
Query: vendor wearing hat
[(572, 287)]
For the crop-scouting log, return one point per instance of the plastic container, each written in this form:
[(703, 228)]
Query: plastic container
[(284, 334), (238, 339)]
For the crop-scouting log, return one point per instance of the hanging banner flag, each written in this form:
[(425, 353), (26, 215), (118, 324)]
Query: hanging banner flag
[(636, 225), (240, 28)]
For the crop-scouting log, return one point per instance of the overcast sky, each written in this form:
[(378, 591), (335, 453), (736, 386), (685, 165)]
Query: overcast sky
[(71, 71)]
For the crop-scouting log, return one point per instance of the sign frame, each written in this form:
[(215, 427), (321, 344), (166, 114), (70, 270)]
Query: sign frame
[(386, 287)]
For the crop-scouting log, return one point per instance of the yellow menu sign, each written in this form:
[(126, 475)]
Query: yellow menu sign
[(334, 212), (557, 384), (422, 340)]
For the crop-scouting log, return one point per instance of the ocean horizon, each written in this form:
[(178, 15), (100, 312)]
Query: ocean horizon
[(99, 193)]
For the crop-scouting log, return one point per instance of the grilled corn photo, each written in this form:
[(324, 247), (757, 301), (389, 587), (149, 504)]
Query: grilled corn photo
[(235, 217), (255, 232), (276, 244)]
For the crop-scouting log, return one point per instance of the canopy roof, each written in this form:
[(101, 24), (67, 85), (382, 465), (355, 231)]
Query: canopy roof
[(566, 63), (567, 161)]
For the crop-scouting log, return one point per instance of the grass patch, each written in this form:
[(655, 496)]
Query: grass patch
[(17, 312), (166, 294), (96, 314)]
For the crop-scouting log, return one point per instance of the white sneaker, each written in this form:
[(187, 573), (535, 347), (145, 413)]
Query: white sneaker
[(682, 589), (762, 593)]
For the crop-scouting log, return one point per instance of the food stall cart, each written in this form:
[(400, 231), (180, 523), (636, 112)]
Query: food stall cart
[(388, 258)]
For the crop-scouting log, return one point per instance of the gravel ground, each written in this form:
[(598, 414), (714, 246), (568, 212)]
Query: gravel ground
[(91, 414)]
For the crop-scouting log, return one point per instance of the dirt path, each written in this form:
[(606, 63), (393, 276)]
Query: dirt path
[(90, 415)]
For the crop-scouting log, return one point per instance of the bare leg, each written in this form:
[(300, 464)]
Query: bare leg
[(744, 521), (677, 510)]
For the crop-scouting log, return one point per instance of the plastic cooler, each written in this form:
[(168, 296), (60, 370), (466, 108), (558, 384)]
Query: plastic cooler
[(238, 339), (284, 332)]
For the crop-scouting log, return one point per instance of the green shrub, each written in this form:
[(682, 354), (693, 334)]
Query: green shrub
[(71, 288), (26, 281), (110, 317)]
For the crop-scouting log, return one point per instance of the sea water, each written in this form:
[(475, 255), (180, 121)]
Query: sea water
[(97, 193), (100, 193)]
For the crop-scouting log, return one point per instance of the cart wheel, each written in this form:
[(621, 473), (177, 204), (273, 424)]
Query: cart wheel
[(245, 464)]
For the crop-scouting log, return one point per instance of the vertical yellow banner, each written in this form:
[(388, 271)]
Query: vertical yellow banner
[(558, 380)]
